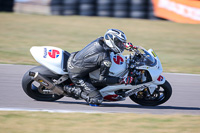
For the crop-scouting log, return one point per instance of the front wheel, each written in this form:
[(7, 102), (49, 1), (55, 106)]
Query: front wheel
[(161, 95), (32, 91)]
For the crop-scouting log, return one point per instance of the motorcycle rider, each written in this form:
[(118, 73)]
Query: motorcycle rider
[(95, 55)]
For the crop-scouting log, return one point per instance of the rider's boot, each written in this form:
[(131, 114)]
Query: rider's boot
[(93, 98), (73, 91)]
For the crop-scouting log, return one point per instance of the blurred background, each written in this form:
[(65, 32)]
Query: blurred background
[(186, 11), (141, 9)]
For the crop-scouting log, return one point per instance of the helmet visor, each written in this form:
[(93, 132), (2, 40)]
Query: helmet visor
[(119, 44)]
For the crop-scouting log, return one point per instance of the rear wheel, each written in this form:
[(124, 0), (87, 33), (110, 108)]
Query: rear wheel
[(29, 87), (161, 95)]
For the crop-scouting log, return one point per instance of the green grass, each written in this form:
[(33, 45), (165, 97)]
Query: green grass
[(177, 45), (43, 122)]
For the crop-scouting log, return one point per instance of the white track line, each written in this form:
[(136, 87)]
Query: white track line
[(47, 110), (184, 74)]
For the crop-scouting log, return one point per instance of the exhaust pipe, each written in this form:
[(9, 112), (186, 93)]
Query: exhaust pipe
[(46, 82)]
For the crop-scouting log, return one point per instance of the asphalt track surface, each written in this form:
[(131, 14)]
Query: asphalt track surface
[(185, 98)]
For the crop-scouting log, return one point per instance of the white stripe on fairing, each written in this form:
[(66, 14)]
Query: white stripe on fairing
[(47, 110)]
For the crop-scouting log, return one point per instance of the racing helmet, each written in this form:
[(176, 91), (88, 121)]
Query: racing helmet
[(115, 40)]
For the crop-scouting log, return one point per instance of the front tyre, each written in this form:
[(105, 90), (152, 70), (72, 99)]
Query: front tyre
[(32, 91), (161, 95)]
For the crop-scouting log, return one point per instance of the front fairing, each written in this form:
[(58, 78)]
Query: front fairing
[(151, 63)]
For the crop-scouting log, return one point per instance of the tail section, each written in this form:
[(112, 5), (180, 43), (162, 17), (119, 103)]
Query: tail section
[(53, 58)]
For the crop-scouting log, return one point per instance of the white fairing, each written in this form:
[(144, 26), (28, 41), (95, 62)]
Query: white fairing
[(50, 57), (154, 71), (117, 70), (118, 66)]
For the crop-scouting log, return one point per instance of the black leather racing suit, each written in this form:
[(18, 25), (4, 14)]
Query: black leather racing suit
[(94, 56)]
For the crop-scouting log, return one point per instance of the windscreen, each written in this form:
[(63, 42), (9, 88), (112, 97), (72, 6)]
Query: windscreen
[(149, 59), (146, 58)]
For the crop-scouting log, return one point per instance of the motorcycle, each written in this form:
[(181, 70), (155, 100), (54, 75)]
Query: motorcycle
[(148, 88)]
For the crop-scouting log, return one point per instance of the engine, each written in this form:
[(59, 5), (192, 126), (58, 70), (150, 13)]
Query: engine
[(139, 76)]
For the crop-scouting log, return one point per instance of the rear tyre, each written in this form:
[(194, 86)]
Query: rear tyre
[(32, 91), (160, 96)]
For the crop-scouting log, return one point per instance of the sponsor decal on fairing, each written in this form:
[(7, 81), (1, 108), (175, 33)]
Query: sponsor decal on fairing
[(118, 59)]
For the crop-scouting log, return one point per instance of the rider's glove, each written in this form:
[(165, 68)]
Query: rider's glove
[(127, 80), (129, 46)]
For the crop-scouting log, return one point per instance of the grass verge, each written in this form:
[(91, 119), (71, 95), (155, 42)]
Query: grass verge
[(43, 122), (177, 45)]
